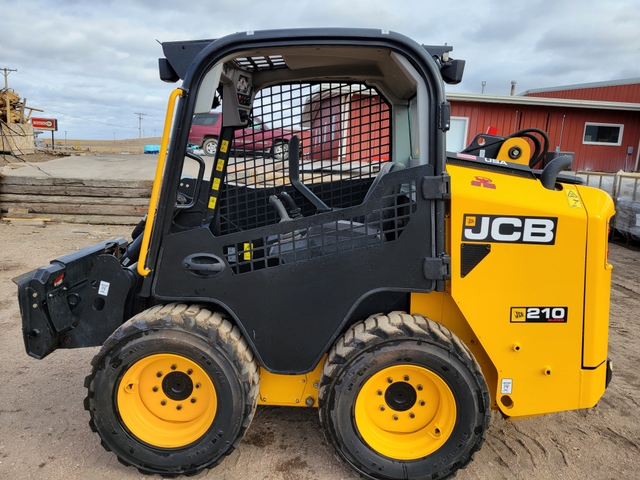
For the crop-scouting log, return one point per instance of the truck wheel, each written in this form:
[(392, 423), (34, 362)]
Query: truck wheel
[(402, 397), (173, 390), (210, 147), (280, 150)]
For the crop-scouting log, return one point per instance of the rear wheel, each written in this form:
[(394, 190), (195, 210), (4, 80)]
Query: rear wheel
[(173, 390), (402, 397), (210, 147)]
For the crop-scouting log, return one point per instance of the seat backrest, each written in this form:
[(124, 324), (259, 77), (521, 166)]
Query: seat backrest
[(384, 169)]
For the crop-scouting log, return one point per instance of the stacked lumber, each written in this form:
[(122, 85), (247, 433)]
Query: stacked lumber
[(16, 132), (16, 108), (74, 200)]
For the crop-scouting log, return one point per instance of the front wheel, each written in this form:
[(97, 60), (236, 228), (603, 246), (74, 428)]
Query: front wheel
[(402, 397), (173, 390), (210, 147)]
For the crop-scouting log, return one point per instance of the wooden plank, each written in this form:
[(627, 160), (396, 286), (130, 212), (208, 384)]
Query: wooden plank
[(9, 198), (24, 221), (28, 216), (96, 219), (50, 208), (76, 191), (104, 183), (17, 211)]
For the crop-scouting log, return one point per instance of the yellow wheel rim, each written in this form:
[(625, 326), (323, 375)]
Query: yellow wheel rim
[(405, 412), (167, 400)]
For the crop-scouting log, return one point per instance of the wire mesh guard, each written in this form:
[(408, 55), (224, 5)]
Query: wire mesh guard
[(345, 139)]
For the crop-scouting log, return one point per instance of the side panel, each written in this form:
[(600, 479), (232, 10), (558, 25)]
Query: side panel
[(440, 307), (597, 295), (290, 390), (292, 285), (518, 276)]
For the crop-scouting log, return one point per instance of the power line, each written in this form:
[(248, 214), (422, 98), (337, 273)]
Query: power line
[(90, 120)]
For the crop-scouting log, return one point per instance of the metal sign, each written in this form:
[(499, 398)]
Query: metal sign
[(45, 123)]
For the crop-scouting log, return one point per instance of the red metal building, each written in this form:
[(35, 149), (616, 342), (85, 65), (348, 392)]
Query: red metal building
[(598, 122)]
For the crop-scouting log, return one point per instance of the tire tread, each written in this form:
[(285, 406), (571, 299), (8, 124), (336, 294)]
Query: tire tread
[(382, 328), (204, 323)]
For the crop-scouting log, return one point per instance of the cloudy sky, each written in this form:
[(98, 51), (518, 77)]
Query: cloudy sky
[(92, 64)]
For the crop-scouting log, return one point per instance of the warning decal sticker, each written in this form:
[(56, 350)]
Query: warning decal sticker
[(572, 197)]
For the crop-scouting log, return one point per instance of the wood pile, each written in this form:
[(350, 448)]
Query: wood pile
[(16, 133), (74, 200), (16, 110), (17, 106)]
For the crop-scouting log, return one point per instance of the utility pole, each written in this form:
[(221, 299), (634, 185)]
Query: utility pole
[(6, 72), (140, 115)]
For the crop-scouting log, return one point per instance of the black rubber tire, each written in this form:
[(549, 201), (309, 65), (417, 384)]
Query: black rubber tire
[(280, 150), (383, 341), (204, 337), (210, 147)]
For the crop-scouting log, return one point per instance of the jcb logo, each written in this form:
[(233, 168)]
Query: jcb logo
[(504, 229)]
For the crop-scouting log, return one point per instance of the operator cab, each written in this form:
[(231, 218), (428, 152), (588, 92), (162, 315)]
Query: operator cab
[(348, 127), (337, 135)]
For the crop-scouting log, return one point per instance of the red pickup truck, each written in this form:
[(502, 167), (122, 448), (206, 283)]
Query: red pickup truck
[(257, 136)]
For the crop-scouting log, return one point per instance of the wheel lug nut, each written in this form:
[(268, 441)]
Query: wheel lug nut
[(189, 372), (197, 385), (419, 387), (174, 366), (193, 400), (390, 380), (382, 409), (395, 417), (155, 389), (179, 407), (379, 392), (422, 403), (163, 403), (159, 374), (412, 415), (406, 378)]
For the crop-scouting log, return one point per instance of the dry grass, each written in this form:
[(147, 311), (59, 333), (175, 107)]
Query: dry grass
[(130, 145)]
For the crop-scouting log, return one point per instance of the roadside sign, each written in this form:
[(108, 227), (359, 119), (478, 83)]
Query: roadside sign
[(45, 123)]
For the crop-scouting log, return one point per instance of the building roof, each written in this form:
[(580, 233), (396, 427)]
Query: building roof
[(543, 101), (581, 86)]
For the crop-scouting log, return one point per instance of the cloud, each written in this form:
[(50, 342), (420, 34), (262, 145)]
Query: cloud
[(94, 64)]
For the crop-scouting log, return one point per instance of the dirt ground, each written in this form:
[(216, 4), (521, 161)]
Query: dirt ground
[(44, 431)]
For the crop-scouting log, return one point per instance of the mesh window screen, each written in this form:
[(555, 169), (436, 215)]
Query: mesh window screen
[(345, 145), (345, 137)]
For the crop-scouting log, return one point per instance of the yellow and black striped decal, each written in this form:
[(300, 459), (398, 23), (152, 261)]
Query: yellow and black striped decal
[(220, 167)]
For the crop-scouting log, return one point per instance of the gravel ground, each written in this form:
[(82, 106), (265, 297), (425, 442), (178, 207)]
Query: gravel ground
[(44, 431)]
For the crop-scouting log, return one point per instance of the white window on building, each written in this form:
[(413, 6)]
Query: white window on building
[(457, 134), (602, 134)]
